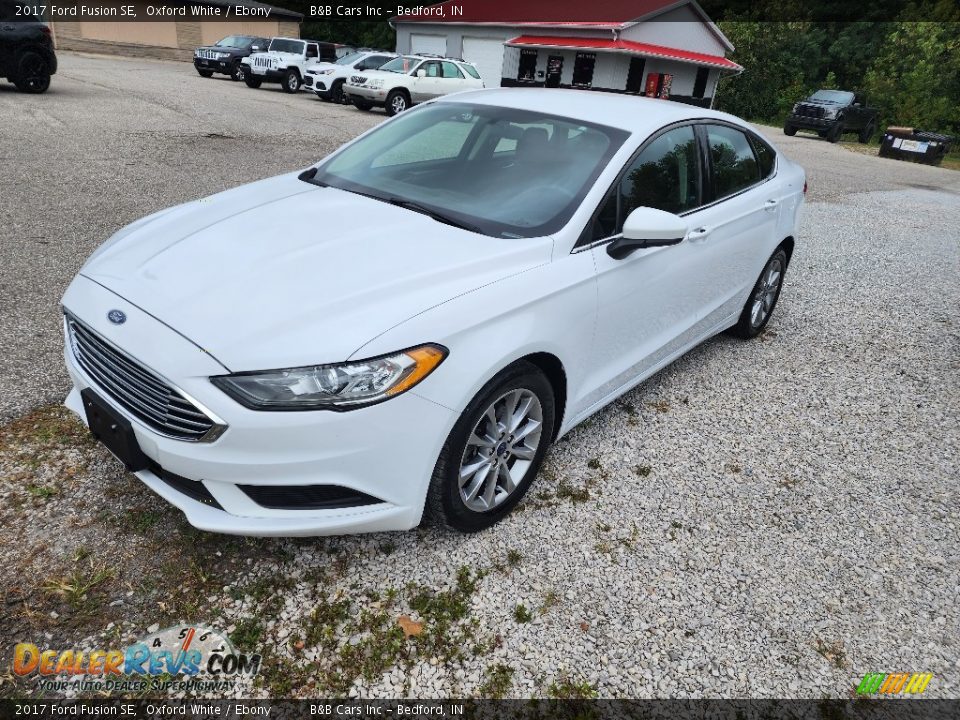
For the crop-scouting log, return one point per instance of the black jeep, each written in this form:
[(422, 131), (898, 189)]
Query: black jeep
[(27, 58), (830, 113), (225, 56)]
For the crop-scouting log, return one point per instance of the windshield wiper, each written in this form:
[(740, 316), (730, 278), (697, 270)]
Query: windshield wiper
[(433, 214)]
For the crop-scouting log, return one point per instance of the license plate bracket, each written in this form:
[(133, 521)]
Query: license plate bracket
[(113, 430)]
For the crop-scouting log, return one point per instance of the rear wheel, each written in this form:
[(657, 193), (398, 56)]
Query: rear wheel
[(397, 102), (763, 298), (252, 82), (361, 104), (789, 129), (291, 81), (33, 74), (494, 451)]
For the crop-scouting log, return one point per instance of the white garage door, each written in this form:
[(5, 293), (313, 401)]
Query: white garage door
[(429, 44), (487, 55)]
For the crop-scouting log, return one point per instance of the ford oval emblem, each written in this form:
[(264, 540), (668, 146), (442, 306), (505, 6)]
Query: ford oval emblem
[(117, 317)]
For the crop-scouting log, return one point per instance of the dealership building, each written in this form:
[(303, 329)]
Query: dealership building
[(174, 38), (658, 48)]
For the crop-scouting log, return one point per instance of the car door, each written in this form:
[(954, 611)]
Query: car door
[(735, 234), (453, 78), (649, 301)]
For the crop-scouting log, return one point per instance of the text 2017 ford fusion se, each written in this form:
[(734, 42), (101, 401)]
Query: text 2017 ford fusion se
[(402, 330)]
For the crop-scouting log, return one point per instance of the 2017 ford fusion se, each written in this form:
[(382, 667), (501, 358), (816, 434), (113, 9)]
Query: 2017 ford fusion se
[(403, 329)]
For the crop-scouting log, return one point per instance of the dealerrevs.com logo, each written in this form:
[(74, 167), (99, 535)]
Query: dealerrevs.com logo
[(204, 658), (894, 683)]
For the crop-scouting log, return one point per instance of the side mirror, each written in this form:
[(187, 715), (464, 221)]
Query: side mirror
[(645, 228), (421, 73)]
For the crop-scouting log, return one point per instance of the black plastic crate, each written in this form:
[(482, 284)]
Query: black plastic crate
[(913, 145)]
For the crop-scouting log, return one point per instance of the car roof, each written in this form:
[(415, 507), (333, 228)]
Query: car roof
[(627, 112)]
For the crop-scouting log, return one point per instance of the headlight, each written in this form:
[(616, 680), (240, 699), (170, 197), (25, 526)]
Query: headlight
[(374, 84), (322, 72), (831, 113), (344, 386), (222, 55)]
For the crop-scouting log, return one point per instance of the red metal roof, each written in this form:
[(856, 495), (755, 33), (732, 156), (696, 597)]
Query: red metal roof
[(588, 43), (549, 12)]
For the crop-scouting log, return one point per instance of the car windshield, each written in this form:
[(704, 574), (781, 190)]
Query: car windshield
[(832, 96), (402, 64), (235, 41), (349, 59), (501, 171), (286, 46)]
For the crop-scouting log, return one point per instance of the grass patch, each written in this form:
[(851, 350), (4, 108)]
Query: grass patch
[(642, 470), (521, 614), (247, 634), (659, 406), (497, 682), (76, 588), (566, 688), (566, 491)]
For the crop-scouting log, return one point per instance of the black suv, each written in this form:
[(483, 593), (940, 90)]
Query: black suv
[(224, 57), (27, 58), (830, 113)]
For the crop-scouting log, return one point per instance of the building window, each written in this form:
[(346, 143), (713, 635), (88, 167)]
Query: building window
[(528, 66), (583, 69), (700, 84)]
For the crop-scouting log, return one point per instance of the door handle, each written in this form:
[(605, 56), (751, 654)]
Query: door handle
[(698, 234), (771, 205)]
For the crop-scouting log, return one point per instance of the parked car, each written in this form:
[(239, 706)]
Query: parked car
[(411, 79), (830, 113), (225, 56), (286, 61), (507, 262), (27, 56), (327, 79)]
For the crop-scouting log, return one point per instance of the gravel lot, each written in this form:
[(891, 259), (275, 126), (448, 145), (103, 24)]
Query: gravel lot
[(769, 518)]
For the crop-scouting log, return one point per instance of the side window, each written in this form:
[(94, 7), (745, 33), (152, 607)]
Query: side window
[(665, 176), (471, 70), (734, 165), (313, 51), (432, 69), (451, 71), (374, 61), (766, 156)]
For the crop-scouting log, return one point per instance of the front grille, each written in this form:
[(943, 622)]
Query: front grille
[(208, 54), (138, 390), (263, 61), (813, 111), (357, 80), (306, 497), (193, 489)]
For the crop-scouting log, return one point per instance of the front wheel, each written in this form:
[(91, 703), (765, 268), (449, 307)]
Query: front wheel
[(252, 82), (336, 93), (763, 298), (834, 133), (33, 75), (397, 102), (237, 73), (361, 104), (864, 137), (494, 451), (291, 81)]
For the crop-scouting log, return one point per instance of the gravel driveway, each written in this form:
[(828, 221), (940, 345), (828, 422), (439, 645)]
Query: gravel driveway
[(769, 518)]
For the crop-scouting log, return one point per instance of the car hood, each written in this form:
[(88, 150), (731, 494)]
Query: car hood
[(281, 273), (317, 67)]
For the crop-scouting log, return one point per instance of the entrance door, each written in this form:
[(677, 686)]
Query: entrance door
[(554, 70), (635, 76)]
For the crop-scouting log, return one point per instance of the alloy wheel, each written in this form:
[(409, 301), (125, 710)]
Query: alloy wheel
[(766, 292), (500, 450), (399, 104)]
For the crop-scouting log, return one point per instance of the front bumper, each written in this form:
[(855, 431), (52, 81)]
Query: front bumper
[(376, 97), (220, 66), (386, 451), (271, 76), (812, 123)]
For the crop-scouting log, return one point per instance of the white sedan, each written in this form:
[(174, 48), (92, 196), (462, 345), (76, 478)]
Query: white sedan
[(492, 269)]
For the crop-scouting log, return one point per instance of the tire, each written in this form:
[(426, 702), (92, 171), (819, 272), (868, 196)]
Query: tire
[(397, 102), (834, 133), (336, 94), (446, 504), (864, 136), (252, 82), (33, 73), (361, 104), (237, 73), (291, 81), (789, 129), (205, 73), (751, 323), (822, 133)]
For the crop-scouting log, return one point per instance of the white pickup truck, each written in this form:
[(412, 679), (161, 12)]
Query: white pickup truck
[(286, 61)]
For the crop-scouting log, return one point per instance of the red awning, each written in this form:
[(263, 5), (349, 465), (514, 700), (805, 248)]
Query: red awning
[(627, 46)]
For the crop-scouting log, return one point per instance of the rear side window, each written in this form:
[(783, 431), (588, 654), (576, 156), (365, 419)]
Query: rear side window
[(451, 71), (766, 156), (471, 70), (735, 167)]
